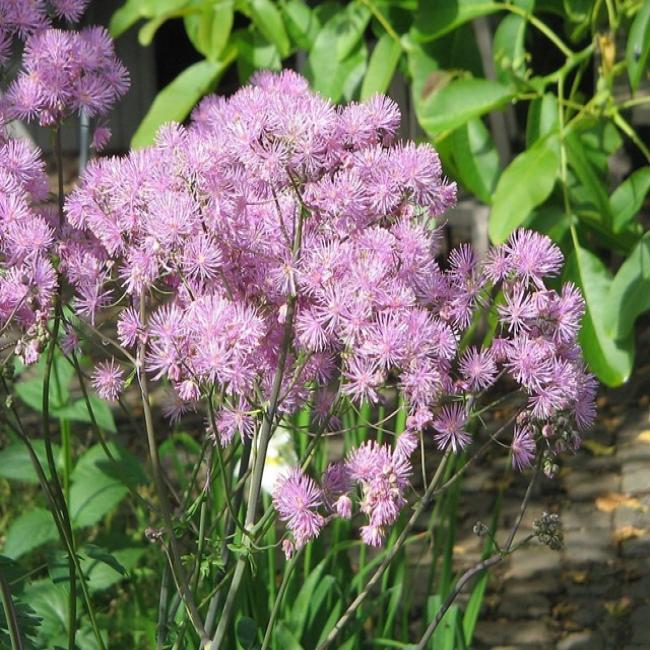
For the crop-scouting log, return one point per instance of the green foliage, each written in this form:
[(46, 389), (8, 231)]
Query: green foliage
[(177, 99), (61, 404), (459, 101), (637, 49), (524, 184)]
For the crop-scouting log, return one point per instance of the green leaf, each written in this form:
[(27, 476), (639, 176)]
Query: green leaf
[(525, 183), (542, 118), (149, 29), (28, 622), (125, 17), (246, 631), (30, 391), (105, 571), (16, 463), (268, 20), (337, 60), (458, 102), (301, 603), (610, 359), (350, 27), (629, 294), (99, 484), (301, 22), (628, 197), (176, 100), (473, 608), (600, 139), (589, 178), (50, 603), (14, 573), (476, 158), (637, 49), (319, 608), (155, 8), (254, 53), (336, 80), (29, 531), (435, 18), (223, 16), (552, 220), (381, 66), (508, 49), (286, 638), (78, 412), (209, 29)]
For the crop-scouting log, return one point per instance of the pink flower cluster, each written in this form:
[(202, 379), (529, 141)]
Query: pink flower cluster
[(275, 206), (28, 280), (22, 18), (374, 473), (206, 223), (278, 230), (63, 72), (66, 72)]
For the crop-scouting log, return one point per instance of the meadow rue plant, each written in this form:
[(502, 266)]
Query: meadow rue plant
[(279, 252), (280, 245)]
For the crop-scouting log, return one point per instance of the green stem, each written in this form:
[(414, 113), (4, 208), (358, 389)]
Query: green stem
[(381, 19), (533, 20), (481, 566), (10, 614), (56, 514), (60, 497), (102, 439), (631, 133), (417, 512), (278, 599), (265, 433), (161, 627), (175, 562), (258, 469)]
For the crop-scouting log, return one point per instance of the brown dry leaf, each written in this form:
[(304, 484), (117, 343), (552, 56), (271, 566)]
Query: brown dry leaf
[(613, 500), (628, 532), (618, 607), (598, 449), (459, 549), (571, 626), (577, 577), (564, 608), (434, 82), (644, 436)]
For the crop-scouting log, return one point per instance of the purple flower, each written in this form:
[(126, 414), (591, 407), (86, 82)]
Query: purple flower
[(450, 423), (523, 448), (533, 256), (478, 369), (108, 380), (297, 498)]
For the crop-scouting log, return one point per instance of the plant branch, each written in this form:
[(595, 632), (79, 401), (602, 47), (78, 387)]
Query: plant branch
[(10, 614), (399, 542), (479, 567), (176, 564)]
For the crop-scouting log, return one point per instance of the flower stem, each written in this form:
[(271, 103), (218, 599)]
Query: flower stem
[(60, 499), (479, 567), (394, 550), (266, 431), (10, 614), (175, 562)]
